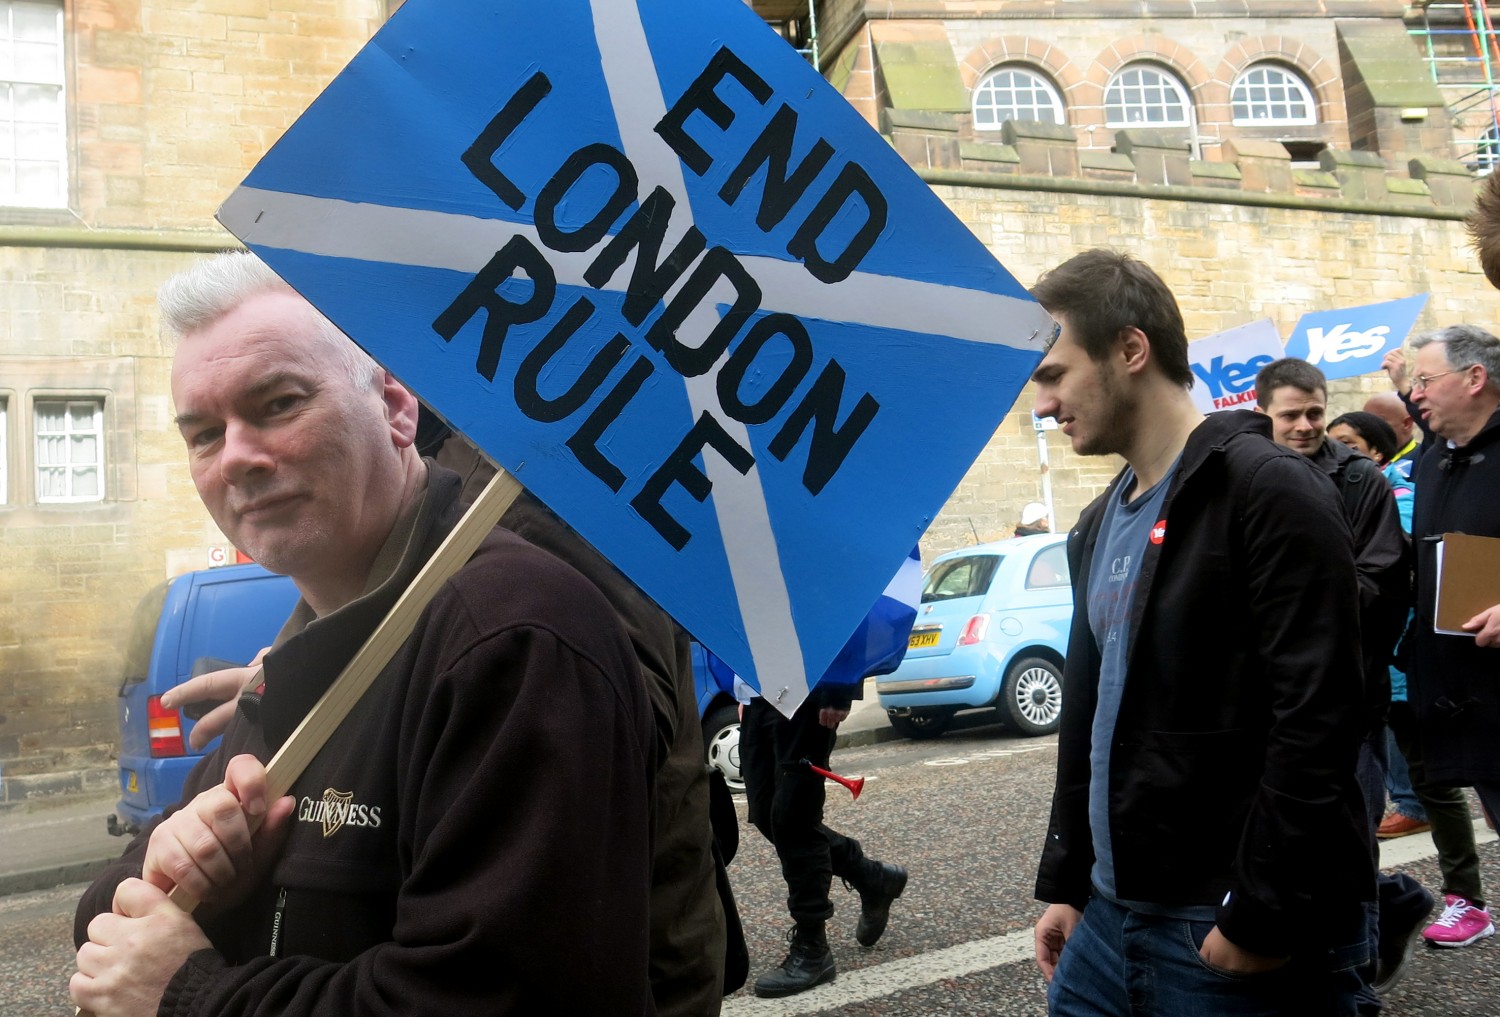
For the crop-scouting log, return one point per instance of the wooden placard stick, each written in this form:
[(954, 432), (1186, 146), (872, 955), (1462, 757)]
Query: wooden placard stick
[(330, 710)]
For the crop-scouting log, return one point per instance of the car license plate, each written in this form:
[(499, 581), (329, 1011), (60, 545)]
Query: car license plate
[(922, 640), (131, 784)]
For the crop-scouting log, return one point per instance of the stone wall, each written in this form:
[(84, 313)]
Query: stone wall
[(1248, 170), (170, 103), (1229, 264), (1369, 85), (177, 99)]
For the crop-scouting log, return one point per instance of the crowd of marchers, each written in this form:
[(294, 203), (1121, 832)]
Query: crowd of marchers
[(1253, 658)]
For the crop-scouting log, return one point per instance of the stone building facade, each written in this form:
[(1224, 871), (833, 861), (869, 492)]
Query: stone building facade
[(1308, 74), (166, 104), (158, 109)]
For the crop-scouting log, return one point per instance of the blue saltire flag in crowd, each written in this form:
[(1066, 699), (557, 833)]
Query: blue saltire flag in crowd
[(877, 645)]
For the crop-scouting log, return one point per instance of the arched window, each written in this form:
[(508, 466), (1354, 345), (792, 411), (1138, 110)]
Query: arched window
[(1487, 151), (1012, 92), (1144, 95), (1266, 94)]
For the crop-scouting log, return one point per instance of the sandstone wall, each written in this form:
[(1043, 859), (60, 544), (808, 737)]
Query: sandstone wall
[(170, 103), (1228, 264)]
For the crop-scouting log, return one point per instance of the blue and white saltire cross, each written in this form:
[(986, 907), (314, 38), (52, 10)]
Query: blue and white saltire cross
[(652, 264), (877, 645)]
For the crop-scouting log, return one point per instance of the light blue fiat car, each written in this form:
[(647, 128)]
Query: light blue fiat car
[(991, 633)]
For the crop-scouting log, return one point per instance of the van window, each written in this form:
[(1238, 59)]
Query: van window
[(234, 620), (143, 634), (960, 577)]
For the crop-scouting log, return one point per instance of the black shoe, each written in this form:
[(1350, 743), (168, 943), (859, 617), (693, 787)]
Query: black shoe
[(1395, 947), (875, 896), (809, 962)]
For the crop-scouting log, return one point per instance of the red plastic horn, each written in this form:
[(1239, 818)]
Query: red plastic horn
[(854, 784)]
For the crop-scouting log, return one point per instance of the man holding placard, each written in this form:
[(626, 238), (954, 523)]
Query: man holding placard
[(475, 837), (1452, 672)]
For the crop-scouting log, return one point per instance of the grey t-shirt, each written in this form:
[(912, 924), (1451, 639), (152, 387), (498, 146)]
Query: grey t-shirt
[(1124, 534)]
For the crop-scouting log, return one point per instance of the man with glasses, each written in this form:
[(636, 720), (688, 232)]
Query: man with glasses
[(1452, 678), (1294, 394)]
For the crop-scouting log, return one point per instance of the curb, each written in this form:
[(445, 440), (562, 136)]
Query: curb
[(869, 736), (52, 876), (21, 791)]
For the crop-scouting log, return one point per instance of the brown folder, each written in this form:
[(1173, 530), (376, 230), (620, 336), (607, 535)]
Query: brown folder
[(1468, 580)]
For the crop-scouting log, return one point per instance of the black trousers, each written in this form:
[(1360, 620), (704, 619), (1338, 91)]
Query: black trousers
[(785, 802), (1447, 810)]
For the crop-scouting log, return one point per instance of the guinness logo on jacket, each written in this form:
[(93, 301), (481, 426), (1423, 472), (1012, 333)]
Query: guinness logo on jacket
[(336, 810)]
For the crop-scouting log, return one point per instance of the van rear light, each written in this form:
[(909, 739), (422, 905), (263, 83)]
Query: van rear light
[(975, 630), (165, 729)]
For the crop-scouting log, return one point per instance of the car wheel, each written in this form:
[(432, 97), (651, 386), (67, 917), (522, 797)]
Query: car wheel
[(922, 725), (1031, 698), (721, 743)]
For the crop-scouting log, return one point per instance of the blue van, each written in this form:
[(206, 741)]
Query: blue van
[(197, 622)]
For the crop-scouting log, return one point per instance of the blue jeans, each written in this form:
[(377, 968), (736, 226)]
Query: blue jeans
[(1121, 964), (1398, 782)]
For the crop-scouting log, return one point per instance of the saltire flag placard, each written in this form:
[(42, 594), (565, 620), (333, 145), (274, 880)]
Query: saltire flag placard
[(1353, 341), (877, 646), (649, 261)]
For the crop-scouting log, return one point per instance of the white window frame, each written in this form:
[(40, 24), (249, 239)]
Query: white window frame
[(1139, 88), (1269, 93), (1487, 150), (19, 152), (1016, 92), (4, 448), (68, 467)]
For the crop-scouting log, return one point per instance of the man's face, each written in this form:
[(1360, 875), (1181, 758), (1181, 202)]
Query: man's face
[(1088, 398), (1297, 418), (1444, 401), (293, 462)]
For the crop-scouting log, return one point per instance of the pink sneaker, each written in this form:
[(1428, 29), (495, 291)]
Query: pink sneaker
[(1460, 924)]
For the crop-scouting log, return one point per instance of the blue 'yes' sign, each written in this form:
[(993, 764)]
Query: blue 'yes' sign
[(650, 262), (1353, 341)]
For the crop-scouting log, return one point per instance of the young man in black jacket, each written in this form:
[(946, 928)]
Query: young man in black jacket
[(1207, 849)]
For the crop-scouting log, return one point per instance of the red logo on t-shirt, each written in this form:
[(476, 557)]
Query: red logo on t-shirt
[(1159, 531)]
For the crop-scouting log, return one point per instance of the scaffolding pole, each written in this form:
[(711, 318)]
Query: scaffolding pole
[(1466, 25)]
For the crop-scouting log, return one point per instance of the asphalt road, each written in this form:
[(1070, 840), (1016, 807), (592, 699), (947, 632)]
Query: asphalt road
[(965, 813)]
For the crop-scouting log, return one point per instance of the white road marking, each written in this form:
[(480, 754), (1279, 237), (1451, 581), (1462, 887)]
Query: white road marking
[(893, 976)]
